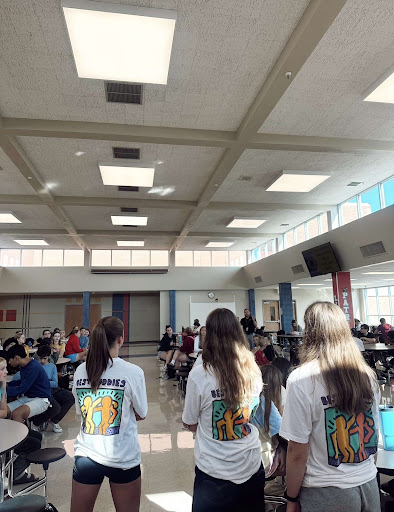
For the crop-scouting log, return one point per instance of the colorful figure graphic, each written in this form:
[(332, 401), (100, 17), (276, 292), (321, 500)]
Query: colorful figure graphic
[(350, 439), (228, 425), (101, 411)]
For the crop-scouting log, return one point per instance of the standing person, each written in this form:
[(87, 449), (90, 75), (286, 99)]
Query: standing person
[(111, 396), (249, 325), (221, 399), (331, 420), (196, 326), (73, 351)]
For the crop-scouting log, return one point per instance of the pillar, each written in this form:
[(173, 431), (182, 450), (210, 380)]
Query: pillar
[(173, 309), (86, 258), (86, 309), (286, 306), (252, 302), (342, 290), (121, 309)]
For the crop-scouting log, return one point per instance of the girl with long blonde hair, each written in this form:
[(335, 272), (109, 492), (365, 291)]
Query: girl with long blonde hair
[(331, 420), (221, 399)]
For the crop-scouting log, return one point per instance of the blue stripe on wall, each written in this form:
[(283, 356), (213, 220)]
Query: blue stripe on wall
[(173, 309), (252, 302), (117, 305), (286, 306), (86, 310)]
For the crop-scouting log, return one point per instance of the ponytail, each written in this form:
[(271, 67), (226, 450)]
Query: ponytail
[(104, 336)]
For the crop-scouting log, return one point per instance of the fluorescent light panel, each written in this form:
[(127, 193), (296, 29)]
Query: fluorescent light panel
[(9, 218), (382, 91), (245, 223), (298, 181), (130, 243), (128, 176), (220, 244), (124, 220), (119, 42), (31, 242), (310, 284), (378, 273)]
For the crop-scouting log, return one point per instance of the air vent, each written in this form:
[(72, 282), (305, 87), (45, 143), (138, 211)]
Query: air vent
[(128, 153), (129, 210), (124, 188), (258, 279), (372, 250), (245, 178), (355, 183), (298, 269), (117, 92), (285, 224), (129, 226), (125, 271)]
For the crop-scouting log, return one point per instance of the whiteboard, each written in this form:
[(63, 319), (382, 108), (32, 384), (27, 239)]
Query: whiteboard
[(201, 310)]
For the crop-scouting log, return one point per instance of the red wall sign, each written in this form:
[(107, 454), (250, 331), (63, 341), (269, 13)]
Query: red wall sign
[(343, 294), (10, 315)]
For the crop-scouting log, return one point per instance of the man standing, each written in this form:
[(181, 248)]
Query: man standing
[(249, 325)]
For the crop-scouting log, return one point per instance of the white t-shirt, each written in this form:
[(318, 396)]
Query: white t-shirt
[(196, 344), (109, 432), (227, 445), (359, 343), (341, 447)]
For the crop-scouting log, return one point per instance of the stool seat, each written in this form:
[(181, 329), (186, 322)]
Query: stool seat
[(31, 503), (46, 455)]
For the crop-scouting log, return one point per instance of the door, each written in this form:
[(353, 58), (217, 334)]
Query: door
[(73, 316), (271, 315), (144, 317)]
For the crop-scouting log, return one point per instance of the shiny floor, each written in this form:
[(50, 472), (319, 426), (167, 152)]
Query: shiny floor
[(167, 449)]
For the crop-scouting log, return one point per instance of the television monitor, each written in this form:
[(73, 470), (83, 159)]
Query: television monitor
[(321, 260)]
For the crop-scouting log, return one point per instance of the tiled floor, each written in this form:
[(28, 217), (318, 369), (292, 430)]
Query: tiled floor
[(167, 449)]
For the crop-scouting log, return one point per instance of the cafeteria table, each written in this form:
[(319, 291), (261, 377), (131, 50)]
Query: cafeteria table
[(63, 360), (12, 433)]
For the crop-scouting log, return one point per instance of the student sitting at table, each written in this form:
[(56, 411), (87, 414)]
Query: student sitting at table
[(199, 340), (260, 345), (73, 351), (83, 340), (365, 335), (21, 339), (33, 388), (182, 353), (166, 345), (57, 346), (383, 329)]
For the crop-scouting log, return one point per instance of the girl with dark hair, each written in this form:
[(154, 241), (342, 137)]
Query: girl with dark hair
[(110, 395), (222, 397), (73, 351)]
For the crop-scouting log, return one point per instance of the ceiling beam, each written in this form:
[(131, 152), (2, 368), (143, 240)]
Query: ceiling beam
[(229, 236)]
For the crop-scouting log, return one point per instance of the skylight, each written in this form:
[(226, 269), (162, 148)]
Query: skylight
[(297, 181), (9, 218), (130, 243), (245, 223), (382, 91), (31, 242), (220, 244)]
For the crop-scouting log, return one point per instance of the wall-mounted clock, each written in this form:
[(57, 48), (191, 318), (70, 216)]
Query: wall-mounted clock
[(211, 295)]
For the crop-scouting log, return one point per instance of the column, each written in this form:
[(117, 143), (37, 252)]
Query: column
[(86, 310), (173, 309), (86, 258), (171, 259), (286, 306), (342, 289), (252, 302), (121, 309)]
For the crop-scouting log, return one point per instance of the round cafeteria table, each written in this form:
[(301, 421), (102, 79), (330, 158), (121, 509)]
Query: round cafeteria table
[(12, 434), (63, 360), (193, 355)]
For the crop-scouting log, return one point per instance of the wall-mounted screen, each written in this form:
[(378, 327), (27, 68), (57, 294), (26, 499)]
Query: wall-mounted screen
[(321, 260)]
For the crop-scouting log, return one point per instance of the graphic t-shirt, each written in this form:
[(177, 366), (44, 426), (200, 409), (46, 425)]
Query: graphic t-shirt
[(227, 445), (109, 432), (341, 446)]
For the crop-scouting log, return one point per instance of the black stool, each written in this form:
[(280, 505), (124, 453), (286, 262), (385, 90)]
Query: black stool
[(44, 457), (30, 503)]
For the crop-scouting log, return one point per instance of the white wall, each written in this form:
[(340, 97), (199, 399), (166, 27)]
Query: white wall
[(164, 311)]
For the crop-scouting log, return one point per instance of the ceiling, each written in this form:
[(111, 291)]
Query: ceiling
[(228, 112)]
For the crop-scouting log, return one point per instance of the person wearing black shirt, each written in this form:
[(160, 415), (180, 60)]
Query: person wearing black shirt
[(364, 333), (249, 325), (167, 345)]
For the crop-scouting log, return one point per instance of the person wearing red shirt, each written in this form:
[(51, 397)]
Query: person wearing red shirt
[(73, 351), (259, 355), (181, 355), (383, 329)]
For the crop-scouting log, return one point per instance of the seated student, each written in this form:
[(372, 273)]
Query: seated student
[(9, 343), (57, 346), (383, 329), (33, 388), (390, 338), (73, 351), (166, 345), (199, 340), (365, 335), (260, 345), (21, 339), (46, 334), (181, 355), (83, 340), (63, 398), (196, 326), (295, 328)]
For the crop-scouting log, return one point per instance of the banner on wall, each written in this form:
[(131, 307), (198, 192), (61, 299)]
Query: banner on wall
[(343, 294)]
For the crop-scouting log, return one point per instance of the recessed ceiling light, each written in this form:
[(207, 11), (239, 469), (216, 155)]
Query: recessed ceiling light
[(30, 177), (355, 183), (9, 218), (80, 153), (31, 242), (298, 181), (119, 42), (128, 220), (382, 91), (162, 191), (220, 244), (130, 243), (159, 162), (245, 223), (378, 273), (127, 175)]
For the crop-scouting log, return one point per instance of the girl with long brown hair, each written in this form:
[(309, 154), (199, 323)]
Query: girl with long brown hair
[(110, 395), (331, 420), (221, 399)]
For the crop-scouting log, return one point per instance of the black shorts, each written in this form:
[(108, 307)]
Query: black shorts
[(87, 471)]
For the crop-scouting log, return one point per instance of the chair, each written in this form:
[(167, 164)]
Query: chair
[(24, 503)]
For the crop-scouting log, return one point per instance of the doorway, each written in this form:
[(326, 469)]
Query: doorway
[(271, 315), (144, 317), (74, 316)]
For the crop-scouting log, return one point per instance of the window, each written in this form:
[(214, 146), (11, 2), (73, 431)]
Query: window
[(219, 258), (313, 228), (289, 239), (140, 258), (300, 233), (121, 258), (202, 258), (379, 304), (31, 257), (323, 223), (270, 247), (159, 258), (388, 191), (370, 201), (184, 258), (237, 258), (73, 258), (101, 258), (10, 257), (52, 258), (348, 211)]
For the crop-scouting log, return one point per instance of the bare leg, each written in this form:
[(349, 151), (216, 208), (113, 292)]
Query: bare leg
[(126, 496), (169, 357), (163, 356), (83, 497), (182, 358), (21, 413), (81, 356)]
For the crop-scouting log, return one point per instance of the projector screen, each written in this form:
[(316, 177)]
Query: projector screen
[(201, 310)]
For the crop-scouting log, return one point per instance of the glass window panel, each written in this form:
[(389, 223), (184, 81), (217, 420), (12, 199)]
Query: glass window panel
[(73, 258), (255, 254), (372, 306), (300, 233), (373, 321), (140, 258), (220, 258), (388, 190), (371, 292), (52, 258), (289, 239), (237, 258), (313, 228), (324, 223), (159, 258), (183, 258), (270, 247), (101, 258), (10, 257), (383, 292), (384, 306), (349, 211), (202, 258), (121, 258), (370, 202), (31, 257)]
